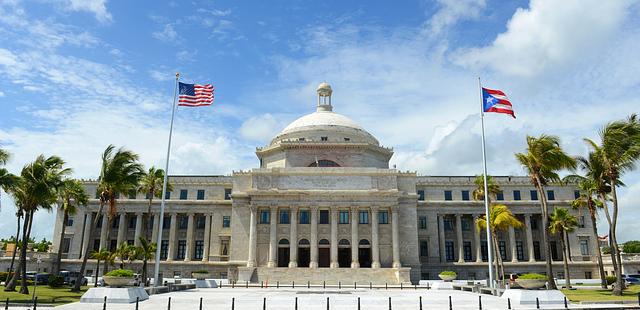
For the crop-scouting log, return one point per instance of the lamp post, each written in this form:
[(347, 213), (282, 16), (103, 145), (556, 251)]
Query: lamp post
[(35, 278)]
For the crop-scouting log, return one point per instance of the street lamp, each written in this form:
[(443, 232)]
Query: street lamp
[(35, 278)]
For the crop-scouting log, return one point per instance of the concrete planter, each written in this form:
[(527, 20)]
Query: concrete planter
[(531, 284), (200, 275), (447, 278), (117, 281)]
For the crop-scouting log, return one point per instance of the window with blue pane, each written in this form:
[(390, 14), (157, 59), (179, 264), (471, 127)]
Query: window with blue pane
[(383, 217), (448, 195), (465, 195), (576, 194), (534, 194), (516, 195), (200, 194), (551, 195), (344, 217), (183, 194), (324, 216), (364, 217), (226, 221), (421, 195), (167, 195), (265, 217), (227, 194), (500, 195), (284, 216), (164, 249), (304, 216)]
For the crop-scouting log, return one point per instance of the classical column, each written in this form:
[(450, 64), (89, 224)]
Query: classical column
[(273, 242), (395, 238), (459, 238), (207, 237), (527, 224), (512, 243), (155, 228), (104, 231), (88, 225), (76, 245), (375, 250), (314, 237), (334, 238), (441, 237), (476, 240), (122, 228), (251, 260), (355, 263), (138, 233), (189, 253), (172, 236), (293, 242)]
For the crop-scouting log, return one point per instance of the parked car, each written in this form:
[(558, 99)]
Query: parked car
[(70, 277), (631, 280), (39, 278), (637, 276)]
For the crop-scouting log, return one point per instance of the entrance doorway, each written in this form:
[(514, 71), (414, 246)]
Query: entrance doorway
[(283, 253), (304, 255), (324, 253), (364, 253), (344, 253)]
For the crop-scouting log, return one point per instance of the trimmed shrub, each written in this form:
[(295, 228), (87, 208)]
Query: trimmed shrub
[(448, 273), (532, 276), (124, 273), (56, 281), (611, 280), (3, 276), (200, 271)]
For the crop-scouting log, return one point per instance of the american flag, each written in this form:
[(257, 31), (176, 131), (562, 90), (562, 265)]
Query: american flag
[(195, 95)]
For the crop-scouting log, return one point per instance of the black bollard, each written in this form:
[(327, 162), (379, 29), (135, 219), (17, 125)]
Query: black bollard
[(537, 303), (200, 303), (450, 305), (420, 302), (104, 305), (277, 284), (370, 285), (293, 284), (389, 303), (358, 303), (233, 284), (355, 286), (327, 303), (296, 305), (324, 284), (308, 284), (400, 285), (233, 303), (339, 285), (480, 302), (246, 284), (6, 305), (566, 305), (169, 304), (264, 303), (138, 300), (35, 303), (261, 284), (415, 286), (386, 287), (509, 303)]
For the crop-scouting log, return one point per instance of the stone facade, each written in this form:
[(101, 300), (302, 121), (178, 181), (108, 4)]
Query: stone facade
[(325, 206)]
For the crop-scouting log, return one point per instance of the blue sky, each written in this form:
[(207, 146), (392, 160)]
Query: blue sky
[(81, 74)]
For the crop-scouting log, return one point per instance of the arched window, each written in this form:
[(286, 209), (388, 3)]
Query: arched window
[(344, 242), (324, 242), (283, 242), (303, 242), (324, 163), (364, 242)]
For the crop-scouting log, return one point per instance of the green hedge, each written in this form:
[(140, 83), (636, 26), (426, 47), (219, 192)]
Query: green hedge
[(56, 281), (448, 273), (611, 280), (124, 273), (532, 276)]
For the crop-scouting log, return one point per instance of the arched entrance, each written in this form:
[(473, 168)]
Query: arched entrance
[(324, 163), (324, 253), (283, 253), (364, 253), (304, 255), (344, 253)]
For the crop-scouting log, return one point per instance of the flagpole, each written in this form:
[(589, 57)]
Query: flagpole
[(156, 272), (486, 191)]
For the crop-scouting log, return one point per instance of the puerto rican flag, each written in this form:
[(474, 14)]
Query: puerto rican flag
[(496, 101)]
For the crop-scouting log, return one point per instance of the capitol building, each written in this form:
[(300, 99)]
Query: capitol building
[(324, 205)]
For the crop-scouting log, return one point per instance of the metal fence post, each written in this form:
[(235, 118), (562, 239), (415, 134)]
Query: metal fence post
[(386, 287), (509, 303), (35, 302), (277, 284), (389, 303), (566, 304), (308, 284), (370, 285), (246, 284), (200, 303), (324, 284), (420, 302), (400, 285), (296, 305), (480, 302), (327, 303), (104, 304), (264, 303), (339, 285), (358, 303), (138, 300), (293, 284), (233, 303), (450, 305), (355, 285), (6, 305), (537, 303), (169, 304)]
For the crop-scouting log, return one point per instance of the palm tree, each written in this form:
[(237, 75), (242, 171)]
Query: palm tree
[(478, 192), (119, 173), (125, 252), (19, 215), (103, 255), (7, 183), (618, 151), (40, 182), (588, 200), (151, 185), (542, 161), (71, 195), (562, 222), (145, 252), (500, 219)]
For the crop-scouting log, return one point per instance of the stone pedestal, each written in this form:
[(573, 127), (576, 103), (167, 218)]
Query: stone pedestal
[(442, 285), (246, 273), (115, 295), (528, 297), (201, 283)]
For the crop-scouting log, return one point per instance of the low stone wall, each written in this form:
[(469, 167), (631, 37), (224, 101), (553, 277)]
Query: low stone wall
[(346, 276)]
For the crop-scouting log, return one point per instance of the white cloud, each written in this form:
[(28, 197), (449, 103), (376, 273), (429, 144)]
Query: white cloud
[(451, 11), (168, 34), (548, 35), (97, 7), (1, 94), (162, 76), (260, 128)]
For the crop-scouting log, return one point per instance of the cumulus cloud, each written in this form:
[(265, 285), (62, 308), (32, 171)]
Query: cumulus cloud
[(452, 11), (168, 34), (260, 128), (97, 7)]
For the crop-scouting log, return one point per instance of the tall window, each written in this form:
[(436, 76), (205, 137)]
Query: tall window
[(519, 250), (199, 249), (576, 194), (324, 216), (554, 250), (183, 194), (284, 216), (467, 250), (465, 195), (448, 195), (164, 249), (200, 194), (227, 194), (421, 195), (99, 225), (166, 222), (534, 194), (363, 217), (66, 243), (516, 195), (484, 250), (448, 249), (581, 221), (502, 246), (422, 222), (424, 248), (383, 217), (69, 221), (534, 223), (265, 216), (448, 224), (344, 217), (465, 224), (201, 222), (584, 247), (226, 221), (167, 195), (536, 250), (551, 195), (500, 195), (182, 247), (304, 216), (183, 222), (132, 222)]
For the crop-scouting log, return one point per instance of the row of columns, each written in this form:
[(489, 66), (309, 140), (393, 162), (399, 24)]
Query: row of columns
[(477, 242), (293, 237)]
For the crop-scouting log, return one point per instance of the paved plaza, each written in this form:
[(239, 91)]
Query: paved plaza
[(316, 298)]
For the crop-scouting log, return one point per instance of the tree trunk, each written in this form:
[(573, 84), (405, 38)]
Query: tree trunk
[(11, 284), (614, 240), (146, 219), (26, 232), (565, 253), (13, 257), (106, 266), (545, 235), (617, 269), (85, 256), (498, 258), (95, 283), (144, 271), (603, 278), (56, 265)]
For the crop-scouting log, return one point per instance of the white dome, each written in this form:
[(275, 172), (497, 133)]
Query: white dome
[(321, 118)]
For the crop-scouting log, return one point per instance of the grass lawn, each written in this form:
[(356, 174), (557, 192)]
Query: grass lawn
[(631, 293), (46, 295)]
